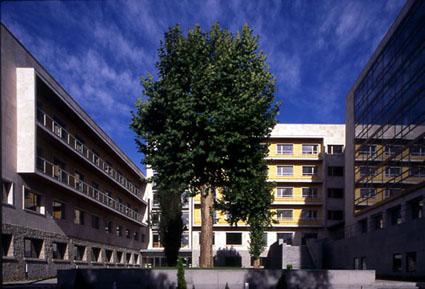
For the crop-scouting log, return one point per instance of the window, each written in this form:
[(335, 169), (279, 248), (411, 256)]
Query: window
[(411, 262), (59, 250), (108, 255), (392, 171), (367, 150), (356, 262), (335, 149), (233, 238), (285, 170), (95, 222), (363, 263), (59, 170), (6, 245), (156, 243), (284, 149), (136, 236), (335, 215), (78, 217), (417, 172), (285, 237), (32, 201), (58, 210), (79, 252), (416, 208), (284, 214), (142, 238), (59, 128), (366, 171), (119, 231), (417, 151), (185, 240), (367, 192), (308, 214), (392, 150), (336, 171), (309, 192), (397, 262), (95, 255), (185, 220), (108, 227), (155, 219), (309, 170), (128, 258), (391, 192), (336, 193), (309, 149), (120, 256), (395, 215), (79, 181), (7, 192), (79, 144), (127, 233), (378, 222), (32, 248), (284, 192)]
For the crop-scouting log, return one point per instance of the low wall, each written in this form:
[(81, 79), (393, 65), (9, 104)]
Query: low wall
[(211, 279)]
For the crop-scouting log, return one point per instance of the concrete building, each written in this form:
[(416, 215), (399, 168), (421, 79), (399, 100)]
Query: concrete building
[(70, 196), (384, 157), (306, 162)]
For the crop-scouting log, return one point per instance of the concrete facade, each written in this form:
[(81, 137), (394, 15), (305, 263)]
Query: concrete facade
[(70, 196)]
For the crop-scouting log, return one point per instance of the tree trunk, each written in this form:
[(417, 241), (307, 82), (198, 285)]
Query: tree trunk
[(256, 263), (207, 202)]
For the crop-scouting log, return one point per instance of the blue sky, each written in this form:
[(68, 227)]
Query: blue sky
[(98, 50)]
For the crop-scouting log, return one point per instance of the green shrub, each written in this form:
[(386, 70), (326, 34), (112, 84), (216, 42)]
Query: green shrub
[(289, 267), (181, 282)]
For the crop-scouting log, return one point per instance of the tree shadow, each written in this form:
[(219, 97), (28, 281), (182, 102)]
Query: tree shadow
[(227, 257)]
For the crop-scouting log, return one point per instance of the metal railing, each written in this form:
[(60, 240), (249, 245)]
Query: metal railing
[(73, 142), (73, 182)]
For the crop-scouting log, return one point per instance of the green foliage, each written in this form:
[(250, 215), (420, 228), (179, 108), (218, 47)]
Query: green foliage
[(181, 281), (206, 118), (289, 267)]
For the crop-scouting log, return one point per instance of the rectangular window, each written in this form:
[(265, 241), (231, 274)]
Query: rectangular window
[(309, 170), (284, 214), (417, 151), (95, 222), (336, 171), (411, 262), (367, 192), (284, 149), (58, 210), (136, 236), (308, 214), (356, 262), (377, 222), (335, 149), (397, 262), (363, 263), (395, 215), (366, 171), (284, 192), (335, 215), (120, 257), (285, 170), (336, 193), (142, 238), (128, 258), (233, 238), (309, 149), (391, 192), (78, 217), (368, 150), (108, 255), (127, 233), (32, 201), (7, 190), (32, 248), (392, 171), (285, 237), (185, 240), (108, 227), (95, 255), (416, 208), (392, 150), (309, 193), (59, 250), (156, 242), (79, 181), (6, 245), (417, 172), (155, 219), (79, 253)]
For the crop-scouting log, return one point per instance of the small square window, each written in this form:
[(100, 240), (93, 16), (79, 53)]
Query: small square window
[(284, 214), (59, 250), (95, 255), (233, 238), (33, 202), (120, 257), (33, 248), (58, 210), (284, 192), (309, 170), (285, 170), (108, 255), (284, 149), (78, 217), (79, 253), (397, 262), (95, 222)]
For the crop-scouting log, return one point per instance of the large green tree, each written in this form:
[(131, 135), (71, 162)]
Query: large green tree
[(207, 113)]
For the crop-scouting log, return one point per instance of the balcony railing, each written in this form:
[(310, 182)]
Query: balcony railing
[(73, 182), (73, 142)]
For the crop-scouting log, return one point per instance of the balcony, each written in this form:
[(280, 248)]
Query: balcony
[(72, 182), (295, 156), (47, 123)]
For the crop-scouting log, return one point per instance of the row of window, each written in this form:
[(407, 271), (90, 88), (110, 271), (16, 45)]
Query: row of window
[(288, 192), (288, 170), (307, 149), (288, 214), (392, 171), (35, 248), (34, 202), (397, 262), (391, 150)]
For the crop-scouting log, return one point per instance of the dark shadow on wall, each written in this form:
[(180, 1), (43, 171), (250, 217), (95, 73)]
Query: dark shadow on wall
[(227, 257), (274, 257), (114, 279), (265, 279)]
